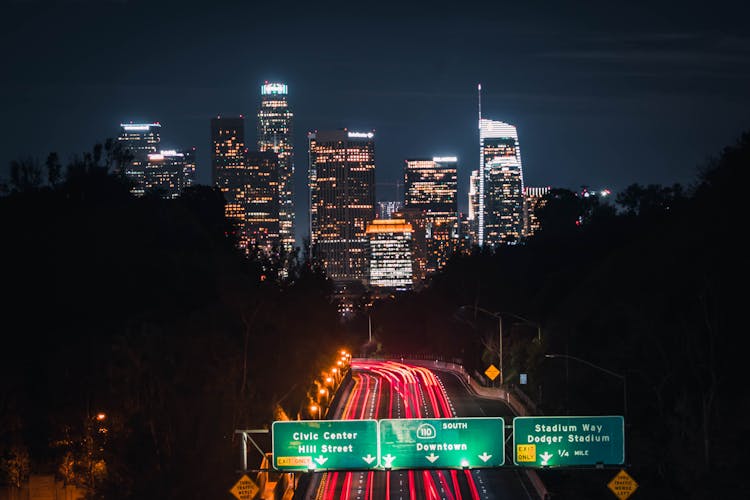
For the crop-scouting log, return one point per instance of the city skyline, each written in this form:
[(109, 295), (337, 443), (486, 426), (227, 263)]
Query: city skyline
[(603, 96)]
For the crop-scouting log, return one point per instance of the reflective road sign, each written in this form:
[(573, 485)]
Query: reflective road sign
[(561, 441), (442, 442), (325, 444)]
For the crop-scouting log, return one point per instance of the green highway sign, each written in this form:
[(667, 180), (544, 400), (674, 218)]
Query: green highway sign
[(325, 444), (444, 443), (565, 441)]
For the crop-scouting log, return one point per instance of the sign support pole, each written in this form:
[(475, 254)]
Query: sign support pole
[(244, 438)]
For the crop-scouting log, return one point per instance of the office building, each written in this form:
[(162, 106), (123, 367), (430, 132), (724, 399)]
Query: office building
[(261, 201), (275, 135), (228, 147), (390, 254), (416, 218), (533, 199), (386, 209), (472, 219), (169, 172), (431, 186), (342, 201), (249, 183), (500, 211), (503, 222), (227, 170), (139, 140), (466, 236)]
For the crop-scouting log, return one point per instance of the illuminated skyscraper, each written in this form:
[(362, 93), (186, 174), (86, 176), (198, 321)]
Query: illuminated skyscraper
[(533, 199), (342, 201), (390, 254), (503, 186), (261, 200), (473, 218), (275, 134), (416, 218), (169, 172), (249, 183), (387, 208), (431, 186), (190, 166), (499, 141), (228, 147), (140, 140)]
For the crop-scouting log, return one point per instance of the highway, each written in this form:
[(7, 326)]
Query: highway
[(388, 389)]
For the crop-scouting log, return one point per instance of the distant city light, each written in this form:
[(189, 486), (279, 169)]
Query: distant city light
[(273, 88), (171, 152), (444, 158), (138, 127), (362, 135)]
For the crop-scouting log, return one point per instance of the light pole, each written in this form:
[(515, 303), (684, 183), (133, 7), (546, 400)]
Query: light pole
[(610, 372), (528, 322), (499, 329), (499, 316)]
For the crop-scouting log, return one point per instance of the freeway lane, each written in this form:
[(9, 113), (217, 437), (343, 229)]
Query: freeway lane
[(386, 389), (499, 483)]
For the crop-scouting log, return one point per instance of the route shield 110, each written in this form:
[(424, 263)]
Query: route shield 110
[(445, 443), (304, 445)]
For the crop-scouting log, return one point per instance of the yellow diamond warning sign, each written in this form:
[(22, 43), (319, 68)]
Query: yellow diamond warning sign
[(622, 485), (492, 372), (245, 489)]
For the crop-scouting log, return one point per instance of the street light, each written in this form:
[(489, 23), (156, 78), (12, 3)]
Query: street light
[(610, 372), (316, 408), (324, 392), (528, 322)]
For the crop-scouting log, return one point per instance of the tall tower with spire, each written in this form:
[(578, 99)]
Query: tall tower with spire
[(500, 210)]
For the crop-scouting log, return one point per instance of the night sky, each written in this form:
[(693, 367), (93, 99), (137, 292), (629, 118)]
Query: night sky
[(603, 94)]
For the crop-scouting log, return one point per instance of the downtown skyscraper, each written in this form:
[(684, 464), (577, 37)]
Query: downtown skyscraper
[(139, 140), (533, 199), (150, 169), (500, 211), (169, 172), (431, 187), (391, 265), (275, 135), (342, 201), (248, 181)]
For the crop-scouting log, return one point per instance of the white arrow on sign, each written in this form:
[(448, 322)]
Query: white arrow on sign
[(484, 457), (369, 458), (545, 457), (388, 460), (432, 457), (321, 460)]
